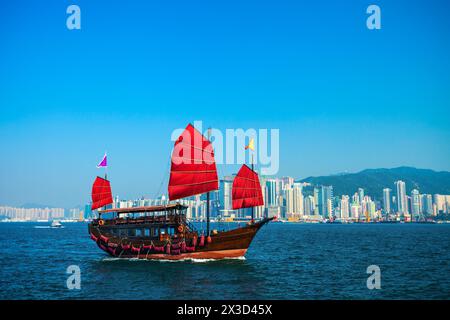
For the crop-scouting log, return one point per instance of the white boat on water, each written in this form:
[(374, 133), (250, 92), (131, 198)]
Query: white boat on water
[(56, 224)]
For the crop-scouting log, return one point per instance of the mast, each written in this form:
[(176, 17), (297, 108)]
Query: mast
[(253, 208), (106, 178), (207, 214), (207, 194)]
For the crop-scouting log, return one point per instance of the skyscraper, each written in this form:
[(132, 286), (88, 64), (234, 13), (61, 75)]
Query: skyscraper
[(402, 200), (226, 203), (289, 194), (286, 182), (298, 199), (309, 205), (87, 211), (271, 193), (316, 201), (387, 200), (325, 200), (361, 194), (415, 203), (294, 199), (329, 208), (344, 207), (427, 206), (354, 210)]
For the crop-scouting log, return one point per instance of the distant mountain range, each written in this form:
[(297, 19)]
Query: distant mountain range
[(373, 181)]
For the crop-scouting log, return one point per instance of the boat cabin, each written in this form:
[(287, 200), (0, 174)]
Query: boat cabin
[(152, 222)]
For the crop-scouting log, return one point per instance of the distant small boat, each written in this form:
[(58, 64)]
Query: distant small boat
[(56, 224)]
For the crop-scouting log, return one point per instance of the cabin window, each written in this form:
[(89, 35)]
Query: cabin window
[(138, 232), (147, 232), (171, 231), (131, 232)]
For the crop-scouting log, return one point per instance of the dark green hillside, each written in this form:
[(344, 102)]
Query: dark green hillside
[(374, 180)]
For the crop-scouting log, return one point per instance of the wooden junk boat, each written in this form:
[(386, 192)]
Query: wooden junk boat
[(163, 232)]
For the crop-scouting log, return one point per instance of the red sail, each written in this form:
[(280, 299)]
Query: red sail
[(101, 193), (246, 191), (193, 169)]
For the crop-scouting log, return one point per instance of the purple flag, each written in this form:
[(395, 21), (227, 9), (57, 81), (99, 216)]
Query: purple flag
[(103, 163)]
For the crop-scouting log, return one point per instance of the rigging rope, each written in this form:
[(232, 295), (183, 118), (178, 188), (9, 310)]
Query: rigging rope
[(164, 179)]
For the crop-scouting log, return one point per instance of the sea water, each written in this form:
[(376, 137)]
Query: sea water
[(285, 261)]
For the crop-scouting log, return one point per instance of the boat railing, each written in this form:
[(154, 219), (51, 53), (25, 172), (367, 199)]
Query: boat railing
[(190, 226), (166, 219)]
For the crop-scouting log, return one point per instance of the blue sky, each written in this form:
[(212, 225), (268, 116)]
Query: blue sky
[(344, 98)]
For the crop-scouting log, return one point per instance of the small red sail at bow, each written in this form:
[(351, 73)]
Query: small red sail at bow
[(246, 192), (193, 170), (101, 193)]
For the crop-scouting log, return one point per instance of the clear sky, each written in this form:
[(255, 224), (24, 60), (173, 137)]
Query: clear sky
[(344, 98)]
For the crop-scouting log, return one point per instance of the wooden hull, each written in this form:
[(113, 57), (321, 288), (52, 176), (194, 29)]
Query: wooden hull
[(227, 244)]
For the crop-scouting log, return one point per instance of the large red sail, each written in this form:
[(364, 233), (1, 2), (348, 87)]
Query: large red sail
[(246, 191), (101, 193), (193, 169)]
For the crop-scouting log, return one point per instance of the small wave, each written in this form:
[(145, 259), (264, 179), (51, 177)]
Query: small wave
[(111, 259), (122, 259), (209, 260), (193, 260), (47, 227)]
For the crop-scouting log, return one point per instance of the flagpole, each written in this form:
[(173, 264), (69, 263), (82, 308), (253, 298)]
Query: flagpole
[(106, 167), (253, 208), (251, 147)]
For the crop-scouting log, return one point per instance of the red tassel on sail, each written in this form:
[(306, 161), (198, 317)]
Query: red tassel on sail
[(101, 193), (193, 169), (246, 192)]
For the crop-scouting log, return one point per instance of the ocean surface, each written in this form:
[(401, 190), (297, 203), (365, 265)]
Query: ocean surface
[(285, 261)]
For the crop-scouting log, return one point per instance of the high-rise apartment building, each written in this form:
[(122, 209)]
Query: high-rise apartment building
[(387, 200), (402, 200)]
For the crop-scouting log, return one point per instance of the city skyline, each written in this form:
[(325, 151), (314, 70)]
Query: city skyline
[(30, 204), (33, 205), (284, 197)]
